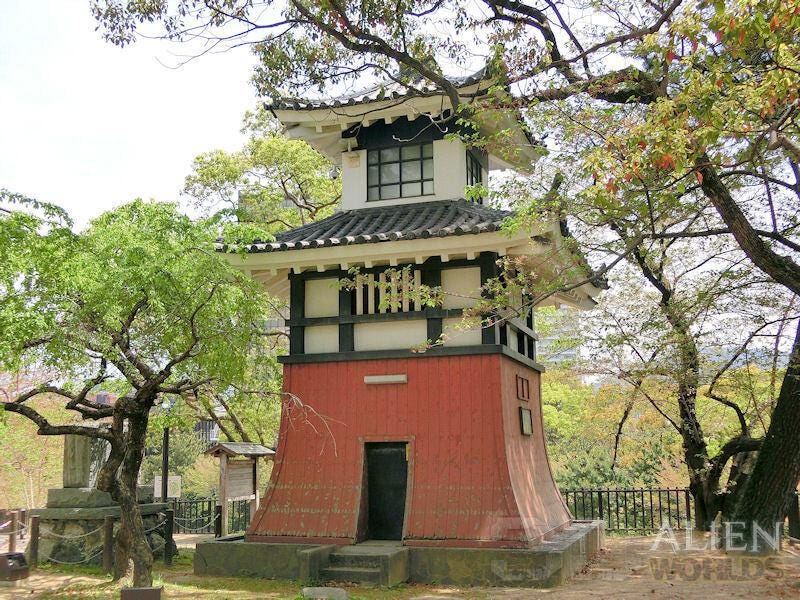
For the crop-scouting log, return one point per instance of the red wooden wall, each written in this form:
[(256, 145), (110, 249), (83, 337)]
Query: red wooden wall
[(473, 478)]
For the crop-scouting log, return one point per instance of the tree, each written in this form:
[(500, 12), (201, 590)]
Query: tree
[(667, 107), (26, 476), (139, 298), (725, 318), (274, 181)]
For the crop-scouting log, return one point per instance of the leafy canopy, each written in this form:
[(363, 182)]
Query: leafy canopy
[(141, 291)]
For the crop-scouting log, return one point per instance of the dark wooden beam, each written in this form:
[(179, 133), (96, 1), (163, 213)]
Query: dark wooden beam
[(431, 277), (297, 311), (346, 332), (488, 264)]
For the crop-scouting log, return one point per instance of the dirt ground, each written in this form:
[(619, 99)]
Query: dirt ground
[(627, 568)]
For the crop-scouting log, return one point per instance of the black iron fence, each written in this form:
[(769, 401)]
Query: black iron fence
[(632, 510), (199, 515)]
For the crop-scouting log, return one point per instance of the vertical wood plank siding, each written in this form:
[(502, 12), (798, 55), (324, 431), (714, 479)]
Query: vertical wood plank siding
[(473, 478)]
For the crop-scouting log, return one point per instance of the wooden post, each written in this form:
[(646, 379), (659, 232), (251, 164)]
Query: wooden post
[(255, 499), (33, 542), (217, 521), (108, 545), (169, 526), (223, 492), (23, 519), (12, 537)]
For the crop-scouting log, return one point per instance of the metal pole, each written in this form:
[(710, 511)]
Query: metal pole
[(165, 465), (169, 525), (33, 542)]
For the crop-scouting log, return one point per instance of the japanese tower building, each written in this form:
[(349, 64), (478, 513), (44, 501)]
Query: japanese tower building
[(437, 448)]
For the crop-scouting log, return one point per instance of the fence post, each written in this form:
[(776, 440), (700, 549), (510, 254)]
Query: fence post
[(687, 495), (33, 542), (169, 526), (108, 545), (218, 520), (12, 537), (794, 516), (23, 519), (600, 504)]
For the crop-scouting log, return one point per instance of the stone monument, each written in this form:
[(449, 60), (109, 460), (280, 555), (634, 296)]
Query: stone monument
[(77, 454), (79, 508)]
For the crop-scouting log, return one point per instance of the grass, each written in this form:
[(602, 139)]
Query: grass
[(179, 581)]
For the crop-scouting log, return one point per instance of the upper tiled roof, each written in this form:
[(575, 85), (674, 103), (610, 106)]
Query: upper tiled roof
[(389, 223), (391, 90)]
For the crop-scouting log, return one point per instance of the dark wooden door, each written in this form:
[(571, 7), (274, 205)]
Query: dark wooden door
[(387, 479)]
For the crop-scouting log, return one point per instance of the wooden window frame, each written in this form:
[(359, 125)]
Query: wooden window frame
[(523, 388), (525, 421), (379, 162), (474, 169)]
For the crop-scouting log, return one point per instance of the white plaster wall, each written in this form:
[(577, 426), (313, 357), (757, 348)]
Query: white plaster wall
[(390, 335), (458, 336), (461, 286), (449, 176), (354, 179), (322, 297), (321, 338)]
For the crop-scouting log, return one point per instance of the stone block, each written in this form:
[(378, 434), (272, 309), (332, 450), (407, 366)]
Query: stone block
[(148, 593), (145, 494), (94, 513), (324, 593), (312, 561), (249, 559), (76, 497)]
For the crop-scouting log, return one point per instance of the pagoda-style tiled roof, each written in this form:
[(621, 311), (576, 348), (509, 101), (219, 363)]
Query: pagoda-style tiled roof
[(389, 223), (386, 90)]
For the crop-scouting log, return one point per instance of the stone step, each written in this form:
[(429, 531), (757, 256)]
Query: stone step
[(351, 574), (341, 559)]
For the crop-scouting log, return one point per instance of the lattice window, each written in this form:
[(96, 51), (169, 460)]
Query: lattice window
[(474, 170), (400, 172), (389, 291)]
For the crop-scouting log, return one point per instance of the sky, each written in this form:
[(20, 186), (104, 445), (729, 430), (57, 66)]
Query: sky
[(90, 126)]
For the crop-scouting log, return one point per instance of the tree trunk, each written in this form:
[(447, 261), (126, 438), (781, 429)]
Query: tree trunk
[(131, 516), (119, 476), (766, 495)]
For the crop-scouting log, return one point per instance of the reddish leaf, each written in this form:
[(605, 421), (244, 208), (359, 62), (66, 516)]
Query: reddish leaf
[(699, 176)]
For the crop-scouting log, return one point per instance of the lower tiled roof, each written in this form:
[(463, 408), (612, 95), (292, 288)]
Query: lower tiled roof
[(389, 223)]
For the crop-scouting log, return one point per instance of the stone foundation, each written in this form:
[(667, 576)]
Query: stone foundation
[(545, 565), (71, 527)]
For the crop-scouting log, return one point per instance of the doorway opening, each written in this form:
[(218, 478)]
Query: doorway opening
[(387, 482)]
